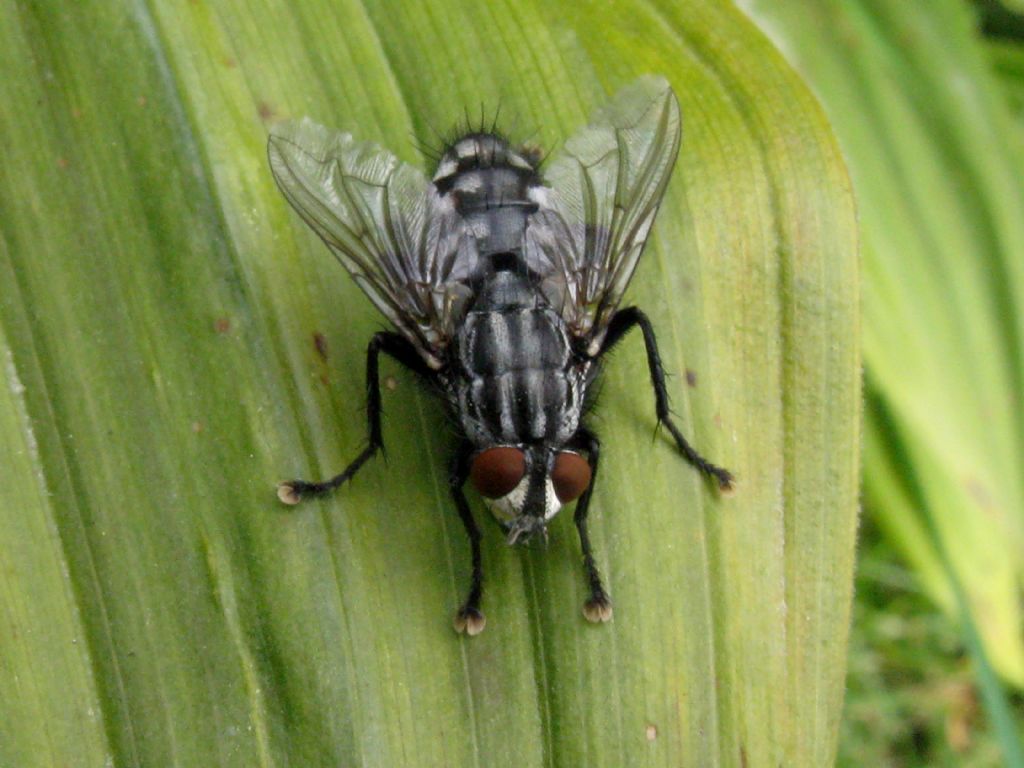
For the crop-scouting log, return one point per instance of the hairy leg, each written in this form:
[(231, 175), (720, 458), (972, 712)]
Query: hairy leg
[(623, 322), (395, 346)]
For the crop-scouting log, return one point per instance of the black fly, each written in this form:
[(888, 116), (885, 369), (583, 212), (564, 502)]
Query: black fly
[(504, 285)]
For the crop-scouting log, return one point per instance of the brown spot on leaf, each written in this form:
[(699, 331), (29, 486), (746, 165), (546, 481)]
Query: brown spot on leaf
[(222, 325), (979, 492), (62, 163), (651, 731), (320, 342), (266, 112), (691, 377)]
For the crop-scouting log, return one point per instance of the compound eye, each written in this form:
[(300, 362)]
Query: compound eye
[(497, 471), (570, 476)]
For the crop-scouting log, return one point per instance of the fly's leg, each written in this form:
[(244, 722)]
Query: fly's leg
[(468, 618), (395, 346), (598, 606), (623, 322)]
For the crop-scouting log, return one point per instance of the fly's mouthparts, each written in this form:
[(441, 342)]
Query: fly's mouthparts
[(524, 528)]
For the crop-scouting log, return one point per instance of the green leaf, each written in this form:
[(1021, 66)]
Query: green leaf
[(159, 306), (937, 164), (1007, 60), (1011, 8)]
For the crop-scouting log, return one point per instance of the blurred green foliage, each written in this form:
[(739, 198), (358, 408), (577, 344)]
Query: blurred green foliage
[(929, 115), (912, 696), (1007, 57), (938, 171), (159, 306)]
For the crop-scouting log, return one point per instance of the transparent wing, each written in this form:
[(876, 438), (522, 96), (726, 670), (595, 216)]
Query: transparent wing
[(604, 191), (403, 245)]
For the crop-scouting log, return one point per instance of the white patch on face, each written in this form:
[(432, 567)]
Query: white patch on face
[(510, 506), (551, 500)]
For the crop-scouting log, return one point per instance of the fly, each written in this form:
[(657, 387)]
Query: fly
[(504, 285)]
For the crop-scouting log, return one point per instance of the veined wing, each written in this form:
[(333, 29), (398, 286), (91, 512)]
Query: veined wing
[(605, 187), (404, 245)]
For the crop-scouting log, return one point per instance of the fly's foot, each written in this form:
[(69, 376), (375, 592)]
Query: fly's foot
[(292, 492), (469, 620), (722, 477), (598, 608), (726, 482)]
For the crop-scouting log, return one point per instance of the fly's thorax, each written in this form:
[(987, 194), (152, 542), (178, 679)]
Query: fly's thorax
[(484, 151), (489, 183)]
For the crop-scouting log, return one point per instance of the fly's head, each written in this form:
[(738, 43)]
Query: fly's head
[(525, 486)]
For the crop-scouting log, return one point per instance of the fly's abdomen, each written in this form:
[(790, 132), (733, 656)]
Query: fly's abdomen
[(519, 383)]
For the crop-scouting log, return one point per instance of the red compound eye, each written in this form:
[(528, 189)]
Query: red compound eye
[(496, 471), (570, 476)]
